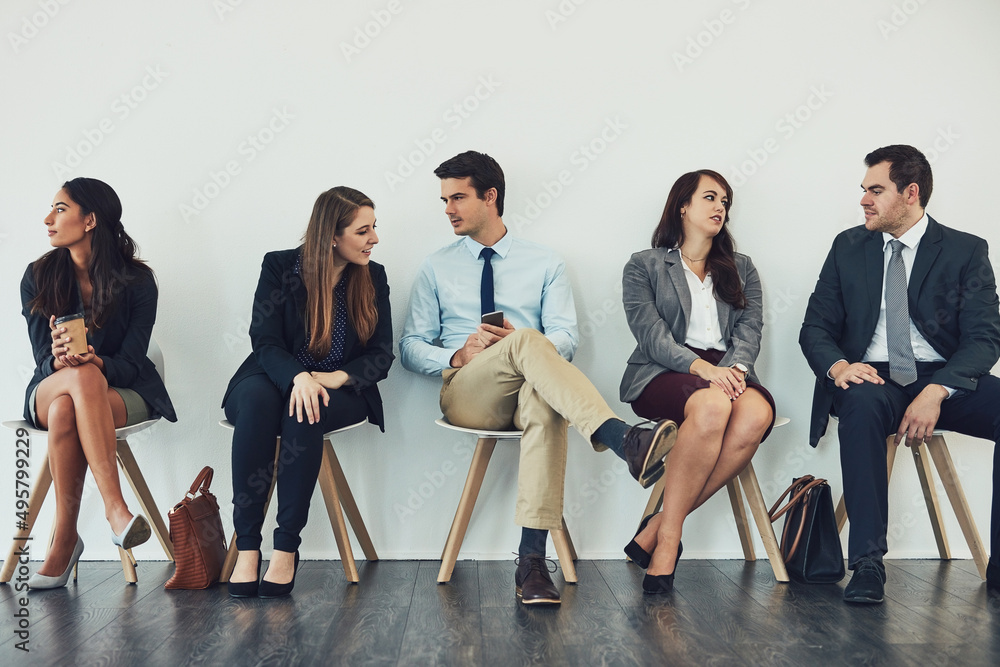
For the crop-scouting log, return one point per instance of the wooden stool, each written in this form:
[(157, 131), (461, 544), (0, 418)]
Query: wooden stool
[(336, 494), (953, 487), (487, 440), (757, 507), (128, 465)]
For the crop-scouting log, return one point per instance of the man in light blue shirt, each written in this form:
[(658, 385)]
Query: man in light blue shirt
[(518, 374)]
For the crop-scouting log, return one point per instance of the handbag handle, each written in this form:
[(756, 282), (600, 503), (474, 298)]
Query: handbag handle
[(203, 480), (807, 483)]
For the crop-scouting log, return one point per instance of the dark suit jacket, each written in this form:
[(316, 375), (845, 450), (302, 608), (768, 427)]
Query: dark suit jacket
[(658, 309), (952, 299), (278, 332), (121, 343)]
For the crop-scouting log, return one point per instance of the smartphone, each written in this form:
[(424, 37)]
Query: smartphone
[(494, 319)]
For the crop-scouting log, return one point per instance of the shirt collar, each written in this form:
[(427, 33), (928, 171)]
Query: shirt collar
[(501, 247), (911, 239)]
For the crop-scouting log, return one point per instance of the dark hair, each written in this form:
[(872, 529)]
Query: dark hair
[(906, 165), (669, 233), (332, 213), (481, 168), (112, 253)]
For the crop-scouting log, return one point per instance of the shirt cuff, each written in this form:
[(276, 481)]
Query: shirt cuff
[(442, 356), (831, 367), (951, 391)]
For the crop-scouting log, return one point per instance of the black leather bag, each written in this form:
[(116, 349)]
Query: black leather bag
[(810, 541)]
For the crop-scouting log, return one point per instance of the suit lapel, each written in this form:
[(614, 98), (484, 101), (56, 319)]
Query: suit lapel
[(927, 252), (874, 268), (679, 282)]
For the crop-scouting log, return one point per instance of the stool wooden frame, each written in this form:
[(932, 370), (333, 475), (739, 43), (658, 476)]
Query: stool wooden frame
[(336, 495), (486, 441), (129, 467), (938, 449), (758, 508)]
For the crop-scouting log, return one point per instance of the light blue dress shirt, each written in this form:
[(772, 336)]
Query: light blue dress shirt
[(530, 286)]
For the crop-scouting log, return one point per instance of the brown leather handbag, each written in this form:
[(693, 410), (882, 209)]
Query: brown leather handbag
[(197, 535), (810, 541)]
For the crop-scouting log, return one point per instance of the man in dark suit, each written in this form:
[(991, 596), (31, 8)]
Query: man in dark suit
[(902, 331)]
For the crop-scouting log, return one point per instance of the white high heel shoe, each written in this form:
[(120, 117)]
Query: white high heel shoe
[(41, 582), (136, 532)]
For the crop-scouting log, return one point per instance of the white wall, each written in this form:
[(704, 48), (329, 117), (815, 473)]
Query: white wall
[(856, 74)]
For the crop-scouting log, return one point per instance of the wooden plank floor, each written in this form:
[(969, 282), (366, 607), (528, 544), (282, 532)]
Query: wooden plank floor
[(723, 612)]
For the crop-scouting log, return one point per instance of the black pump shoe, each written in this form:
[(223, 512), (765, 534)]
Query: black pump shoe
[(662, 583), (246, 589), (272, 590), (639, 556)]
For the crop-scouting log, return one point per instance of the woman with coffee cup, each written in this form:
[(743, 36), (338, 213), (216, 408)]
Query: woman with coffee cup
[(90, 285), (322, 338)]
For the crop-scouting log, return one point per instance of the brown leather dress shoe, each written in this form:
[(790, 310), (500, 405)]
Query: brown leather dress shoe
[(532, 582), (645, 449)]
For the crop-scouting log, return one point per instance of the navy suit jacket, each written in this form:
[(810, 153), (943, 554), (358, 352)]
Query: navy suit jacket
[(278, 332), (952, 299), (121, 343)]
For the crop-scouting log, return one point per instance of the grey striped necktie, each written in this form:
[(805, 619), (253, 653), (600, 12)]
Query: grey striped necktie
[(902, 366)]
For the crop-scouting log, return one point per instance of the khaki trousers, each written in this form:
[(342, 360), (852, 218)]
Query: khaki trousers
[(522, 381)]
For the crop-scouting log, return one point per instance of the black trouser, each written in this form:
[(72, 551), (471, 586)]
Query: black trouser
[(259, 413), (868, 413)]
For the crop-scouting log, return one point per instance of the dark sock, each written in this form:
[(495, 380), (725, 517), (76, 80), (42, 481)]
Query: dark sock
[(532, 542), (611, 434)]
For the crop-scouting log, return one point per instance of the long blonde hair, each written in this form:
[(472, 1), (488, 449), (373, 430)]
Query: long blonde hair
[(333, 212)]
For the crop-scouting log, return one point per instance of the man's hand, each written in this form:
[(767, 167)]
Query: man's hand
[(467, 352), (489, 334), (921, 416), (845, 374)]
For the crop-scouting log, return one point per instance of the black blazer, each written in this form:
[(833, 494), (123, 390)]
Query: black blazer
[(278, 332), (121, 343), (952, 299)]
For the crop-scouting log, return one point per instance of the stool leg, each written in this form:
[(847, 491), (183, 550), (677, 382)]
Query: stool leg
[(759, 510), (38, 492), (230, 563), (349, 504), (949, 477), (473, 482), (569, 541), (328, 485), (923, 463), (742, 522), (135, 479), (128, 566), (565, 552)]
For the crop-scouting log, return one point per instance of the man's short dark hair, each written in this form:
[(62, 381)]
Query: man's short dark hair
[(481, 168), (906, 165)]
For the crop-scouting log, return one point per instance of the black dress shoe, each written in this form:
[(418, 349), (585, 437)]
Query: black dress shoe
[(653, 584), (246, 589), (645, 449), (272, 590), (639, 556), (993, 577), (867, 585), (532, 582)]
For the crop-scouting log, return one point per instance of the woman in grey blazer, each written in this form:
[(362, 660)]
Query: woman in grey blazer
[(694, 307)]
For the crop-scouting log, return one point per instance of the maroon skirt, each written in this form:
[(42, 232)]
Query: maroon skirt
[(667, 394)]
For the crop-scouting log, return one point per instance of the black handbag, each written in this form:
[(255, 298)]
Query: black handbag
[(810, 541)]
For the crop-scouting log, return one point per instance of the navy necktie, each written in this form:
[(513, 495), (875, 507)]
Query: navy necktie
[(486, 288), (902, 366)]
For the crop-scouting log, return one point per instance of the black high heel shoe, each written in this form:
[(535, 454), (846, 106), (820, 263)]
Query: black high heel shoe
[(662, 583), (246, 589), (272, 590), (639, 556)]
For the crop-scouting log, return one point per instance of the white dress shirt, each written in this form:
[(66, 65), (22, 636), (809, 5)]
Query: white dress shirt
[(703, 329)]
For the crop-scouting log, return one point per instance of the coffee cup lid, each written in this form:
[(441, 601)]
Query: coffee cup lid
[(68, 318)]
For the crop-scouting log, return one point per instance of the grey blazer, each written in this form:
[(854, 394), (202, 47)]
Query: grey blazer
[(658, 307)]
